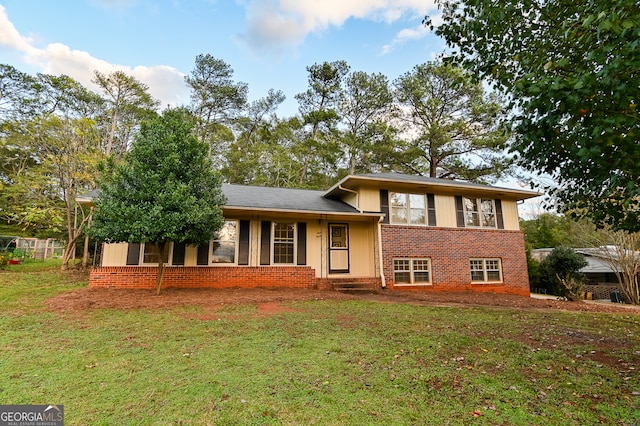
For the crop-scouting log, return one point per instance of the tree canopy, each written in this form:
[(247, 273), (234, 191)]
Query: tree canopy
[(54, 132), (572, 70), (453, 128), (165, 189), (50, 146)]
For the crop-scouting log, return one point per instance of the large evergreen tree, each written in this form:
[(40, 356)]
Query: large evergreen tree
[(216, 101), (365, 109), (128, 101), (451, 127), (164, 190), (317, 106)]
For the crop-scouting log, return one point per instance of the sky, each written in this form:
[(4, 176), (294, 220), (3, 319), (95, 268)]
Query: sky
[(268, 43)]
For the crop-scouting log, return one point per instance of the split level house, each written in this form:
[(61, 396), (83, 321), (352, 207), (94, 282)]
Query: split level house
[(375, 231)]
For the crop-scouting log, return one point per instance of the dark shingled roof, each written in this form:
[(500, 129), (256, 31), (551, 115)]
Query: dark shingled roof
[(266, 198)]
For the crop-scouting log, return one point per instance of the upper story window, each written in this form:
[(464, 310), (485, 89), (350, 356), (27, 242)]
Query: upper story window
[(412, 209), (479, 212)]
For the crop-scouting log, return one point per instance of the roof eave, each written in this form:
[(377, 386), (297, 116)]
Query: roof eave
[(515, 193), (302, 212)]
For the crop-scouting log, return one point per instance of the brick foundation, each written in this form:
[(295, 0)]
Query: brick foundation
[(140, 277), (450, 250)]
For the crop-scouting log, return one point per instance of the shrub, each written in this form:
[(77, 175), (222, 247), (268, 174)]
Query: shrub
[(4, 260), (560, 272)]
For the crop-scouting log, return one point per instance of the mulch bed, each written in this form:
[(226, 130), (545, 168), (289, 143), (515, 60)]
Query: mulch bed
[(100, 298)]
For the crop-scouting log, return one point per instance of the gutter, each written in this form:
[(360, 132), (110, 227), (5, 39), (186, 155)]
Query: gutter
[(382, 278), (357, 206)]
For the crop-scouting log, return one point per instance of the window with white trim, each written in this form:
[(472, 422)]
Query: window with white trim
[(224, 244), (412, 271), (408, 208), (284, 243), (479, 212), (485, 270), (151, 253)]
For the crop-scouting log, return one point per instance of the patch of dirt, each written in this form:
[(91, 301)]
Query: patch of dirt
[(472, 299), (269, 301), (211, 299)]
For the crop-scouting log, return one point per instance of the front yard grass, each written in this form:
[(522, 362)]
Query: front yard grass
[(322, 362)]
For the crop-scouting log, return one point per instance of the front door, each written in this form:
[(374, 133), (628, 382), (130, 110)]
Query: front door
[(338, 248)]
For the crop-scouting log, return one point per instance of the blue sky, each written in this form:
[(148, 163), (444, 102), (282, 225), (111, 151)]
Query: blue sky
[(268, 43)]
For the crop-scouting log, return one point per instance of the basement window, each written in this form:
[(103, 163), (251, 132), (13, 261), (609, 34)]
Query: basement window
[(412, 271), (485, 271)]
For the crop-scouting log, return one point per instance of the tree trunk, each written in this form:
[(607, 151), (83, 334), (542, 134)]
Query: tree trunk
[(85, 254), (67, 254), (161, 247), (70, 249), (112, 133)]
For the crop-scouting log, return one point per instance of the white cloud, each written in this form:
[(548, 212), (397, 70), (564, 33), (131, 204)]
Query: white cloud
[(408, 34), (9, 36), (165, 83), (285, 23), (405, 35)]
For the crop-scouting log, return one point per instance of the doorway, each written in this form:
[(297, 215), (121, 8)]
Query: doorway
[(338, 248)]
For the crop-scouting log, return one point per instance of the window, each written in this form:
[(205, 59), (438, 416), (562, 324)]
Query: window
[(485, 270), (408, 208), (479, 212), (284, 242), (224, 243), (338, 235), (151, 253), (412, 271)]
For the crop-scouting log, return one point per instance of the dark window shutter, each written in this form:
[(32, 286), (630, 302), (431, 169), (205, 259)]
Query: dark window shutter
[(499, 219), (431, 210), (302, 243), (203, 255), (265, 243), (243, 249), (384, 204), (133, 254), (459, 212), (178, 254)]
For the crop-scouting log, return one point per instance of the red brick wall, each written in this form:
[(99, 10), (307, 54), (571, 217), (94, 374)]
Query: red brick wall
[(141, 277), (450, 250)]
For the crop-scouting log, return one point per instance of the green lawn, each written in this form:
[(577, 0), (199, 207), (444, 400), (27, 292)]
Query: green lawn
[(323, 362)]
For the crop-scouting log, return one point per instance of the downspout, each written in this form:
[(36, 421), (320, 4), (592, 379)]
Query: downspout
[(382, 279), (357, 206), (323, 272)]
